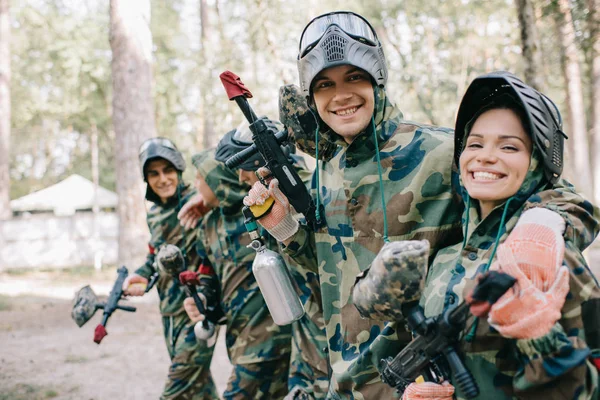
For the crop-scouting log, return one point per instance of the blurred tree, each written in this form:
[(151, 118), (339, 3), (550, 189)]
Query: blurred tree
[(530, 43), (5, 119), (578, 144), (133, 117), (594, 29)]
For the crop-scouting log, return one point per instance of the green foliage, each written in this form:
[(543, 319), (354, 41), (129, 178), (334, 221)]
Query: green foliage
[(61, 68)]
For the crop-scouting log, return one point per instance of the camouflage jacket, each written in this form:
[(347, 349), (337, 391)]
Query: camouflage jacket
[(165, 229), (416, 172), (309, 362), (555, 366), (252, 336)]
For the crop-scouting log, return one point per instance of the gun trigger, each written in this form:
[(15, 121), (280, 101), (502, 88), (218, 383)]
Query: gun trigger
[(261, 210)]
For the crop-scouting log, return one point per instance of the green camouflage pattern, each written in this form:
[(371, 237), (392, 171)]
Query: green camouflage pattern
[(256, 346), (309, 369), (300, 122), (165, 229), (189, 375), (555, 366), (396, 276), (190, 361), (415, 161)]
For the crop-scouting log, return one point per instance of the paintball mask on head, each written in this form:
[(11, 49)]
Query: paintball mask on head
[(339, 38), (160, 147), (240, 139), (543, 121)]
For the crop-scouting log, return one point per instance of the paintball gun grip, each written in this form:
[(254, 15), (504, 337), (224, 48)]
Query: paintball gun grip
[(461, 375)]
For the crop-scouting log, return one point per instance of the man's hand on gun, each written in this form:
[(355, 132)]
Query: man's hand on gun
[(135, 285), (192, 311), (192, 211), (533, 254), (279, 220)]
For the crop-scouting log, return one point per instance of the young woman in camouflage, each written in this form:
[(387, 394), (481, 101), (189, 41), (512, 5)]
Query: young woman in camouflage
[(189, 374), (258, 349), (509, 146), (381, 178), (309, 377)]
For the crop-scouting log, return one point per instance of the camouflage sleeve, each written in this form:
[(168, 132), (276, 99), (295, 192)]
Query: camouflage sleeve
[(565, 357), (303, 250), (582, 217), (558, 362), (147, 269)]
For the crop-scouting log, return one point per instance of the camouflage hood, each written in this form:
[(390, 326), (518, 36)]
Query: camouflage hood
[(223, 181)]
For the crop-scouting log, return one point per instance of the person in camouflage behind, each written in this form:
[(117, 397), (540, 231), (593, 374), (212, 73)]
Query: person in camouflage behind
[(509, 148), (258, 349), (407, 195), (309, 375), (189, 375)]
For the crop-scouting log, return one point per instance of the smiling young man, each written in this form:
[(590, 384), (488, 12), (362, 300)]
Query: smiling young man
[(189, 373), (387, 179)]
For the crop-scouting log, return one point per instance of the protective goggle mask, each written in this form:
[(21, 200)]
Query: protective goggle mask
[(158, 141), (352, 24)]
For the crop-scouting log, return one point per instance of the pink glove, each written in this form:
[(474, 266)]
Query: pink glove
[(279, 221), (532, 254), (428, 391)]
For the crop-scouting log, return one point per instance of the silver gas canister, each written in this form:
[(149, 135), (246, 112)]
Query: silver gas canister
[(276, 286)]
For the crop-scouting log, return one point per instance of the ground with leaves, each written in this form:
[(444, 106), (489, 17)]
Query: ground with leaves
[(44, 355)]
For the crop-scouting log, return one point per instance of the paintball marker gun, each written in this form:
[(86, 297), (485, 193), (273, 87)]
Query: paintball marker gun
[(268, 143), (86, 303), (171, 260), (433, 354)]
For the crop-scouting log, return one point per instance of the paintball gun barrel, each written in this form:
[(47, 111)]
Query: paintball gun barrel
[(433, 354), (267, 141)]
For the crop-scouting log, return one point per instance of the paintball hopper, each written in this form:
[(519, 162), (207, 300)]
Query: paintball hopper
[(86, 303), (395, 278), (171, 261), (301, 124)]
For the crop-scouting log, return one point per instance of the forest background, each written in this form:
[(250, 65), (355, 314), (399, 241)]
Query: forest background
[(80, 77)]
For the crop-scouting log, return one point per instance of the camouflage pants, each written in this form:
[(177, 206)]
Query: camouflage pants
[(189, 374), (308, 366), (265, 380)]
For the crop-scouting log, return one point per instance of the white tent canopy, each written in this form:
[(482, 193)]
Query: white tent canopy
[(65, 197)]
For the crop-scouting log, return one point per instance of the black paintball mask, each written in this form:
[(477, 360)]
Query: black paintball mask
[(155, 148), (240, 139), (540, 116)]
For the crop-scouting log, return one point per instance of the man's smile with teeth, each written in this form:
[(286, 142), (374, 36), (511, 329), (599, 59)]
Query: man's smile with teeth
[(346, 111), (486, 176)]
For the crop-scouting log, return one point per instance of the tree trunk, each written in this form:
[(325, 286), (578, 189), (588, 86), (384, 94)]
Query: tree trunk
[(594, 24), (5, 212), (133, 118), (576, 111), (206, 65), (529, 43)]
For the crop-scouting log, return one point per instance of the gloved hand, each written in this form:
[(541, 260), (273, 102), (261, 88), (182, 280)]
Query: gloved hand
[(135, 285), (532, 254), (428, 391), (192, 211), (279, 221)]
